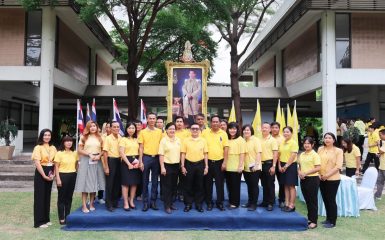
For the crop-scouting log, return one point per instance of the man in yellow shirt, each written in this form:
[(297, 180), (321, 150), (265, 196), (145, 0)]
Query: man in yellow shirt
[(373, 143), (360, 125), (275, 128), (149, 139), (200, 118), (112, 167), (218, 147), (194, 166), (381, 169), (269, 162), (182, 134)]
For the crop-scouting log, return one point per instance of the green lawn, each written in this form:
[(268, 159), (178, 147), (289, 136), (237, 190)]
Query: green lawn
[(16, 222)]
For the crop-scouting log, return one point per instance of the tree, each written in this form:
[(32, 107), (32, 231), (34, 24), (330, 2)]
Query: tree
[(150, 30), (234, 19)]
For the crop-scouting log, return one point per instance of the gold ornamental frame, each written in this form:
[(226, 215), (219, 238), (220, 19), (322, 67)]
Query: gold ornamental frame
[(170, 66)]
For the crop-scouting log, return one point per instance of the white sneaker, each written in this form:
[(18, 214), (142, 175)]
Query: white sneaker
[(92, 209), (101, 201), (48, 223), (43, 226)]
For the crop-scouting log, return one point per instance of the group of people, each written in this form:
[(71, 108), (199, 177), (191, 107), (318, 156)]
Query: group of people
[(189, 162)]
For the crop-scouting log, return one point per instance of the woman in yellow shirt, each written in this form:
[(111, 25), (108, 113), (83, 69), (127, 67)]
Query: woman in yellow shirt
[(65, 168), (309, 164), (352, 156), (169, 158), (331, 165), (252, 166), (288, 150), (235, 164), (87, 179), (130, 168), (43, 155)]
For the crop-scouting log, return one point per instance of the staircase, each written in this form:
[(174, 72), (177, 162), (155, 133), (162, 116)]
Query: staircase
[(17, 174)]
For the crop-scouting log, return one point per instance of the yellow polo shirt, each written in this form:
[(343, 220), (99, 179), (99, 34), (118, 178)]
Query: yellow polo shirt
[(331, 159), (130, 145), (382, 157), (286, 148), (269, 145), (182, 134), (111, 146), (92, 144), (236, 148), (67, 161), (216, 141), (350, 158), (279, 139), (44, 153), (373, 138), (308, 160), (253, 148), (195, 148), (170, 149), (150, 140)]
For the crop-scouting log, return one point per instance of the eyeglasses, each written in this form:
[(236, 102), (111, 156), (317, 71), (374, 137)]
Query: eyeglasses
[(194, 129)]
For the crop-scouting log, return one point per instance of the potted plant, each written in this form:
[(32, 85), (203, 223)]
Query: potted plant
[(8, 132)]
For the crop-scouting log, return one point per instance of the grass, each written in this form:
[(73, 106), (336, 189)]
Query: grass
[(16, 222)]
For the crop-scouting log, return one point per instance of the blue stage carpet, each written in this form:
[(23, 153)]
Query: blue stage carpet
[(136, 220)]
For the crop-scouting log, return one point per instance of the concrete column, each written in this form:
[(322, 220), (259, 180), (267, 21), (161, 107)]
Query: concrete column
[(47, 67), (114, 77), (328, 70), (93, 67), (278, 69), (255, 78), (374, 102)]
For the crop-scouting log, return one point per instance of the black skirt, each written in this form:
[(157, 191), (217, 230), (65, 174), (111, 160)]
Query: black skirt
[(290, 176), (130, 176)]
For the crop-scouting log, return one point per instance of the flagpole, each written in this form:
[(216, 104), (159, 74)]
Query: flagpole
[(77, 127)]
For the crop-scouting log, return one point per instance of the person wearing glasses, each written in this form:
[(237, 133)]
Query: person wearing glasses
[(194, 166)]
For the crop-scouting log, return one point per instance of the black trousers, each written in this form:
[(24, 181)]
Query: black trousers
[(113, 186), (65, 193), (194, 190), (41, 197), (281, 192), (233, 182), (350, 172), (169, 183), (360, 143), (369, 158), (215, 172), (309, 187), (252, 180), (329, 192), (267, 182)]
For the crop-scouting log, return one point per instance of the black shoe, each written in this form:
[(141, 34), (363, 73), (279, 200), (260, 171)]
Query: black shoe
[(262, 205), (325, 222), (181, 198), (154, 207), (251, 207), (110, 209), (329, 225), (282, 205), (173, 207), (168, 210), (187, 208), (199, 208), (269, 208), (145, 207), (221, 207), (209, 207), (232, 207), (289, 209), (246, 205), (126, 209)]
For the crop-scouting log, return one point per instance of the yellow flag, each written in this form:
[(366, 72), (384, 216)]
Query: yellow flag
[(295, 122), (278, 115), (289, 117), (232, 117), (283, 122), (257, 122)]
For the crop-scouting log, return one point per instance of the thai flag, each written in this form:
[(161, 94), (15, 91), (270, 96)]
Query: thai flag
[(79, 117), (93, 110), (88, 116), (117, 116), (143, 114)]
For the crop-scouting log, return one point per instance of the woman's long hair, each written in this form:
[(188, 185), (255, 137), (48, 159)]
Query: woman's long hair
[(66, 139), (40, 140), (86, 132), (349, 144)]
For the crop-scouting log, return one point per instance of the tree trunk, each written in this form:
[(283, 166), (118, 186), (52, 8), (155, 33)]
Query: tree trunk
[(132, 95), (234, 79)]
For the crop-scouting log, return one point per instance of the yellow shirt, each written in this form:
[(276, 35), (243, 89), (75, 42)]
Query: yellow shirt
[(307, 161), (67, 161), (382, 157), (216, 142), (350, 158), (286, 148), (269, 145), (130, 145), (253, 147), (92, 145), (373, 138), (44, 153), (111, 146), (195, 148), (331, 159), (182, 134), (170, 149), (279, 139), (236, 148), (150, 140)]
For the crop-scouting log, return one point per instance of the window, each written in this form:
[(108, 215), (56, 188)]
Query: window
[(33, 38), (11, 110), (343, 45), (31, 117)]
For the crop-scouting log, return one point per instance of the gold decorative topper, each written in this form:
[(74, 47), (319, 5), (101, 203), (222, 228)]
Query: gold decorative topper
[(187, 56)]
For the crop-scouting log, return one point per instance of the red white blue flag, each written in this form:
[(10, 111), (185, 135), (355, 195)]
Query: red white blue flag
[(88, 115), (117, 116), (93, 110), (79, 117), (143, 113)]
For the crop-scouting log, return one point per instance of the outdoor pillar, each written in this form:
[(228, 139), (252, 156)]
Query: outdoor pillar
[(278, 69), (92, 67), (47, 67), (374, 103), (328, 70), (114, 77)]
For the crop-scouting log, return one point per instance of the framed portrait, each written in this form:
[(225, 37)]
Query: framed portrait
[(187, 90)]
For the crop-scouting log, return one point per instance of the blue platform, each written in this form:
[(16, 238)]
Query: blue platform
[(136, 220)]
